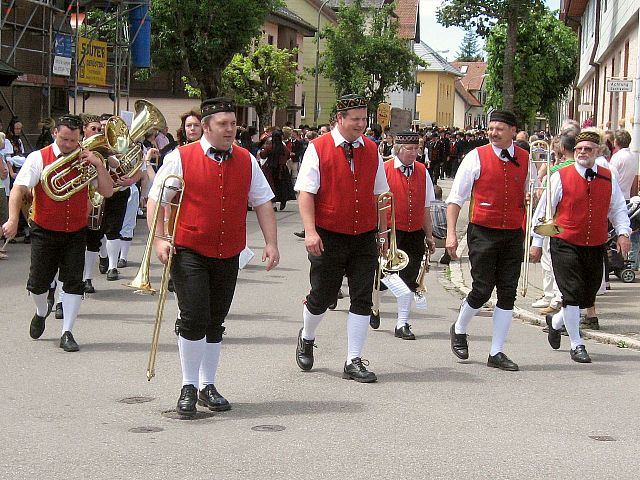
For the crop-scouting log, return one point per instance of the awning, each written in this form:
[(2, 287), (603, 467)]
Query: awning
[(7, 74)]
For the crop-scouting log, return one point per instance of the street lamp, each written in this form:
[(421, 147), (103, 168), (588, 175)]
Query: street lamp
[(315, 96)]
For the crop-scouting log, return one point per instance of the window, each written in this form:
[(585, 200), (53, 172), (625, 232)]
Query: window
[(418, 88), (270, 39), (304, 105), (464, 68)]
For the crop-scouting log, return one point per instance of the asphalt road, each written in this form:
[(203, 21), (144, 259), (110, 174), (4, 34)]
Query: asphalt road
[(69, 415)]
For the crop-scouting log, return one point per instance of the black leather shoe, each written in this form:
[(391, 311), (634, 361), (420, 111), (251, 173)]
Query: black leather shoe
[(299, 234), (501, 361), (554, 335), (68, 343), (459, 344), (103, 264), (356, 370), (88, 286), (304, 353), (112, 275), (210, 398), (405, 332), (59, 311), (580, 355), (122, 263), (333, 306), (187, 401), (27, 239), (374, 320), (36, 329)]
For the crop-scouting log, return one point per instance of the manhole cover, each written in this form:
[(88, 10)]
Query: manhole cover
[(173, 415), (268, 428), (602, 438), (132, 400), (145, 429)]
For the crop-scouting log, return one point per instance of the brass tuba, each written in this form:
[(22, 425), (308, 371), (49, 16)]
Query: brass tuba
[(393, 260), (147, 117), (68, 174)]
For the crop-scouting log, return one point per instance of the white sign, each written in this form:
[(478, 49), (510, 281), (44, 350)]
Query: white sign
[(62, 65), (619, 85), (583, 107)]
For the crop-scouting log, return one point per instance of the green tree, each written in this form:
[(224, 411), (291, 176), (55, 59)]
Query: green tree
[(199, 38), (469, 49), (263, 78), (482, 15), (546, 63), (365, 54)]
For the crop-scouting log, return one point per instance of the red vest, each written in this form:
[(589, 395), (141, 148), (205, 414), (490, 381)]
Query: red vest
[(408, 196), (497, 198), (67, 216), (584, 207), (213, 215), (345, 202)]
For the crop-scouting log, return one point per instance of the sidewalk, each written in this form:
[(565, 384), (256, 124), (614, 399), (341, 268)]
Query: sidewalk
[(618, 309)]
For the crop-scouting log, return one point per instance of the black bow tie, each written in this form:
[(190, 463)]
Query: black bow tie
[(219, 154), (407, 169), (505, 154), (589, 174), (348, 150)]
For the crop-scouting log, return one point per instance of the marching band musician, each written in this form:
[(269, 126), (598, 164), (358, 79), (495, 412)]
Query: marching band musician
[(579, 193), (495, 176), (412, 190), (59, 228), (339, 178), (220, 179)]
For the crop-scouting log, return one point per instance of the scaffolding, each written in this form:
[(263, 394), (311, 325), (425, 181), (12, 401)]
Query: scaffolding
[(28, 30)]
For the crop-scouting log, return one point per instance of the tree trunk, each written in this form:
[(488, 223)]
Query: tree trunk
[(265, 115), (509, 60)]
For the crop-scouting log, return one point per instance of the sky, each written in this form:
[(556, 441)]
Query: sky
[(446, 41)]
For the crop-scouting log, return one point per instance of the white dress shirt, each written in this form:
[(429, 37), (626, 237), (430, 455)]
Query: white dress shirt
[(30, 173), (469, 171), (259, 191), (617, 207), (627, 165), (430, 196), (309, 174)]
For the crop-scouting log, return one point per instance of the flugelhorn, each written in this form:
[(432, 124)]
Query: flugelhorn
[(391, 261), (141, 282), (421, 289), (68, 174)]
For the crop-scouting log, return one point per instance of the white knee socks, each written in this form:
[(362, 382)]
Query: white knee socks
[(311, 323), (90, 259), (70, 307), (501, 323), (124, 249), (41, 303), (571, 314), (404, 308), (191, 353), (113, 250), (464, 317), (209, 364), (357, 329)]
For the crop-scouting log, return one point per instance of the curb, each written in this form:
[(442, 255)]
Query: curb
[(456, 279)]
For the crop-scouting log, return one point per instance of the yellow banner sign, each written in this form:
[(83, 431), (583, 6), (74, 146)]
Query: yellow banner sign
[(92, 61), (383, 114)]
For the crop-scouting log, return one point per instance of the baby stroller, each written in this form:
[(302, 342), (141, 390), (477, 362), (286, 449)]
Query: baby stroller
[(623, 269)]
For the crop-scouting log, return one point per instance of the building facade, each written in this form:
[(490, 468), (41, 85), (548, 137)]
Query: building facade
[(469, 110)]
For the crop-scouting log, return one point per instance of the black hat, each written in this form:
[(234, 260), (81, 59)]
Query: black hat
[(589, 136), (216, 105), (407, 138), (74, 122), (349, 102), (503, 116)]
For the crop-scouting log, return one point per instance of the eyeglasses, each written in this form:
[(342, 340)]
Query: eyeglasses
[(583, 149)]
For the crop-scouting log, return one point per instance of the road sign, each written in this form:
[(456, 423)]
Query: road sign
[(619, 85)]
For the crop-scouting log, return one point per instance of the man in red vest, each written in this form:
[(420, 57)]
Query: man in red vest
[(340, 176), (495, 177), (59, 228), (412, 191), (579, 193), (220, 179)]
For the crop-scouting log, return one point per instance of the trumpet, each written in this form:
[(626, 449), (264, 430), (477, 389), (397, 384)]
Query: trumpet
[(393, 260), (421, 289), (141, 282)]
